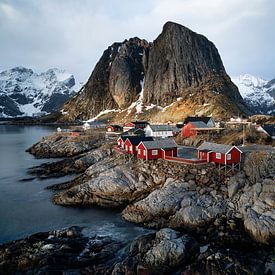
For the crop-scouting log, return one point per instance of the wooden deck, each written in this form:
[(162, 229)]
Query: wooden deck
[(119, 150), (185, 161)]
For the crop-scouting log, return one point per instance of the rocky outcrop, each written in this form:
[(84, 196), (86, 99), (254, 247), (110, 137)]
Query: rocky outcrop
[(179, 64), (109, 183), (164, 252), (182, 62), (176, 204), (64, 145), (115, 81)]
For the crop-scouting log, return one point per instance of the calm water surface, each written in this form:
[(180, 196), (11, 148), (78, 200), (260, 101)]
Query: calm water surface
[(25, 206)]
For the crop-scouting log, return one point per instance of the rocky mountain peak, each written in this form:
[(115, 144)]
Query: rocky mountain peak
[(178, 64)]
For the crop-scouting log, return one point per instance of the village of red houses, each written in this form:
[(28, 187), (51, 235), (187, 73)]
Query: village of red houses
[(142, 140)]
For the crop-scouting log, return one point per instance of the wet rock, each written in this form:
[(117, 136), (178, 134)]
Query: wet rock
[(64, 145)]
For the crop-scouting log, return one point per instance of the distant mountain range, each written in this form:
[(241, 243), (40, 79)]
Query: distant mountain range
[(258, 94), (26, 93)]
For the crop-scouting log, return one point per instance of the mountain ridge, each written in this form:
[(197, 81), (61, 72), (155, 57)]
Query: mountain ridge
[(258, 93), (24, 92)]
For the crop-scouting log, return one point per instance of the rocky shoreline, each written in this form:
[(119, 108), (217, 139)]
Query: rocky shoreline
[(206, 223)]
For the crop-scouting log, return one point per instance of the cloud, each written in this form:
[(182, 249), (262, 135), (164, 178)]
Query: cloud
[(73, 34)]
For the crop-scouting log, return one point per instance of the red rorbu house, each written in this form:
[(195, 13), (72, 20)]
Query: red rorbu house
[(219, 153), (114, 128), (132, 142), (135, 125), (191, 128), (156, 149), (121, 141)]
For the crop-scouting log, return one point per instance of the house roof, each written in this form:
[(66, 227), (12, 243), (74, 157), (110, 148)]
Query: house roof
[(138, 122), (199, 124), (270, 129), (160, 144), (135, 140), (215, 147), (204, 119), (162, 127), (114, 126)]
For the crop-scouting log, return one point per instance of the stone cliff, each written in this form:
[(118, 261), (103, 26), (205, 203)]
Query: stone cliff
[(136, 76)]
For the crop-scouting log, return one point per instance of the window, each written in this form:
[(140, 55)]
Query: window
[(126, 147), (228, 156), (139, 151), (144, 152), (218, 156), (130, 148), (154, 152)]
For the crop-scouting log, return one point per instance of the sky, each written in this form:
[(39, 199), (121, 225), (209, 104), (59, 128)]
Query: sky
[(72, 34)]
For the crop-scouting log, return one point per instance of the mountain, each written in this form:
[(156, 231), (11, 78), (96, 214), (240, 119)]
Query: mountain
[(259, 94), (26, 93), (178, 74)]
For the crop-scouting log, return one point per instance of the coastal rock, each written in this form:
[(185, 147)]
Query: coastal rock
[(174, 205), (64, 145), (107, 186), (257, 201)]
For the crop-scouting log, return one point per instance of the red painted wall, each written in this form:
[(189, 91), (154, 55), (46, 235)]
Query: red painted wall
[(235, 156), (142, 150), (187, 132), (202, 155), (128, 143)]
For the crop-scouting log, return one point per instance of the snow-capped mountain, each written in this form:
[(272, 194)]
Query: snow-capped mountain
[(259, 94), (26, 93)]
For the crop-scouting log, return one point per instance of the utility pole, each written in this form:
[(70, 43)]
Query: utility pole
[(243, 134)]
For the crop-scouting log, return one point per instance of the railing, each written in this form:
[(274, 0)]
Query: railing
[(119, 150), (186, 161)]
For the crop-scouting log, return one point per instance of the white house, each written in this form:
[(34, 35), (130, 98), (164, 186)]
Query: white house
[(160, 131)]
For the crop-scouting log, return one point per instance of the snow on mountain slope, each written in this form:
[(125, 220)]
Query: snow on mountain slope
[(26, 93), (259, 94)]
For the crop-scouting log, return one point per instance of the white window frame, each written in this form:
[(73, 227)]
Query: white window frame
[(218, 156), (154, 152), (228, 157), (126, 147), (130, 148), (144, 153), (139, 151)]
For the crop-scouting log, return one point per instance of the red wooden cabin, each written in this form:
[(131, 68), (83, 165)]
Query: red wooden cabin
[(132, 142), (114, 128), (219, 153), (135, 125), (190, 129), (156, 149), (121, 141)]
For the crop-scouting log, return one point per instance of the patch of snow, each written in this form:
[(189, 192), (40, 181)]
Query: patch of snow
[(168, 106), (101, 114)]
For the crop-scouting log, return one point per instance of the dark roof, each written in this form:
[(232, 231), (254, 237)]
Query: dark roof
[(162, 127), (135, 140), (115, 126), (124, 137), (270, 129), (160, 144), (199, 124), (215, 147), (204, 119), (139, 122)]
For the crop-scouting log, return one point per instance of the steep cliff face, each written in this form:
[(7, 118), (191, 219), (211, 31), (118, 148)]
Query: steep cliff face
[(115, 81), (179, 66), (182, 62)]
